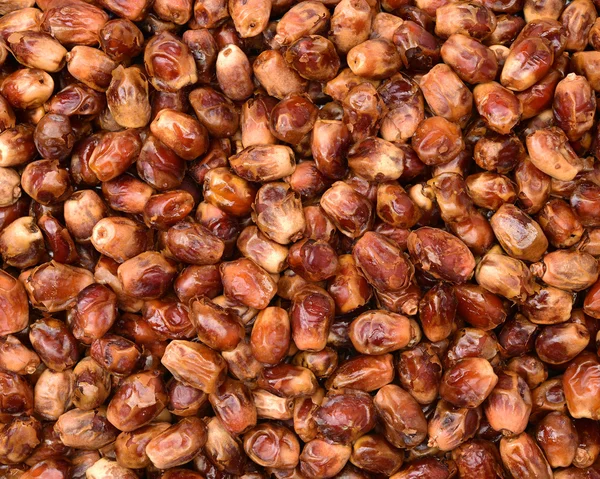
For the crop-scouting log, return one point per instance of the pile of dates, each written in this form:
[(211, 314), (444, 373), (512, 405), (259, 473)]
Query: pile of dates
[(352, 239)]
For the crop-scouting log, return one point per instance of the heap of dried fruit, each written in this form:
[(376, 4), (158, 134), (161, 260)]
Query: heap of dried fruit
[(321, 239)]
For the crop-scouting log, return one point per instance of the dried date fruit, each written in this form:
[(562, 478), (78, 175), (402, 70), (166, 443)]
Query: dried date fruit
[(300, 239)]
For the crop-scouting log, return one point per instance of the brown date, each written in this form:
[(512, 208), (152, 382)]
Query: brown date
[(403, 421), (468, 383), (381, 332)]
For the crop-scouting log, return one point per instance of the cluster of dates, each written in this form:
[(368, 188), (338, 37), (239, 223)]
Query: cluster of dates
[(321, 239)]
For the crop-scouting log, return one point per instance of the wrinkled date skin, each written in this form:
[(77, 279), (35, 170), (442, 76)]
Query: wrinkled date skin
[(505, 276), (345, 416), (450, 426), (527, 63), (420, 371), (139, 399), (579, 380), (437, 311), (478, 458), (523, 457), (367, 373), (551, 153), (468, 383), (520, 236), (382, 263), (441, 254), (509, 405), (380, 332), (403, 421), (311, 315), (15, 312), (271, 445)]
